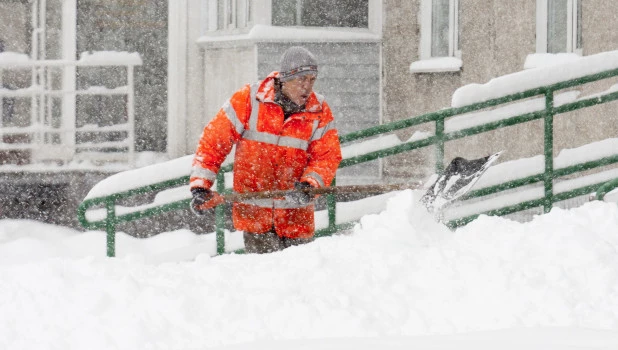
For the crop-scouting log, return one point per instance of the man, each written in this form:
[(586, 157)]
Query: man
[(285, 139)]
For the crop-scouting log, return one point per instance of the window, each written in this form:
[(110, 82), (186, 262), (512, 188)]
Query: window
[(321, 13), (559, 26), (226, 14), (439, 29)]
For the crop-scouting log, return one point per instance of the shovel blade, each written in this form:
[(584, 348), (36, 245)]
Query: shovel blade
[(458, 179)]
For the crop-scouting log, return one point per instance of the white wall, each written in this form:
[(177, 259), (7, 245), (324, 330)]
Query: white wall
[(185, 92), (225, 71)]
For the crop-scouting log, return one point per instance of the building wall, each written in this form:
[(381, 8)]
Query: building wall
[(405, 94), (185, 77), (225, 71), (495, 38), (599, 26)]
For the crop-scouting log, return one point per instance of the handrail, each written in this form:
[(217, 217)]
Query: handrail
[(438, 140), (606, 188)]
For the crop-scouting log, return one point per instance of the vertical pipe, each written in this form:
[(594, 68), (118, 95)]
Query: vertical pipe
[(110, 227), (42, 68), (440, 145), (452, 27), (178, 65), (131, 114), (43, 97), (220, 216), (34, 55), (69, 76), (48, 137), (549, 151), (33, 100)]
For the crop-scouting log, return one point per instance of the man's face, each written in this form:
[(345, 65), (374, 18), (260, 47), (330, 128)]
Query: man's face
[(299, 89)]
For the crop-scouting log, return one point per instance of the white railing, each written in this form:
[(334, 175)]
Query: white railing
[(49, 131)]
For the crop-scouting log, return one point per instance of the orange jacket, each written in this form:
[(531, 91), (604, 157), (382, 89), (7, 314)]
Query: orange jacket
[(271, 154)]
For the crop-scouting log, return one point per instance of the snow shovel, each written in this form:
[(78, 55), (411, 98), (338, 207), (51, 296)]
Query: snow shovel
[(458, 178)]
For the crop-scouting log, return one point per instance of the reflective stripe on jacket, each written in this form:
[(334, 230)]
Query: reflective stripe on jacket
[(271, 154)]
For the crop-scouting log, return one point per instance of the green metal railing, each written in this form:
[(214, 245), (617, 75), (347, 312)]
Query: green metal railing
[(606, 188), (438, 140)]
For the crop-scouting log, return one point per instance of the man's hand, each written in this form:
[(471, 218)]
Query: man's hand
[(204, 200), (299, 197)]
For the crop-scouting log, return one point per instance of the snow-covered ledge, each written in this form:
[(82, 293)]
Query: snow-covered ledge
[(110, 58), (534, 78), (96, 58), (436, 65), (264, 33), (538, 60)]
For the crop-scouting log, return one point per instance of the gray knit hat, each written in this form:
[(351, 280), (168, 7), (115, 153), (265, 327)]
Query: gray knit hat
[(297, 61)]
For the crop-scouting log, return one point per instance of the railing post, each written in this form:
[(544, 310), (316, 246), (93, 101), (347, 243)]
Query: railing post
[(439, 145), (110, 227), (220, 216), (549, 151), (331, 205)]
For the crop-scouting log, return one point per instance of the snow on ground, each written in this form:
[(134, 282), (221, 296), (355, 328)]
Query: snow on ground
[(397, 281)]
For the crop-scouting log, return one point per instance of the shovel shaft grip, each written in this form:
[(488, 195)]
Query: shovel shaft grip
[(232, 197)]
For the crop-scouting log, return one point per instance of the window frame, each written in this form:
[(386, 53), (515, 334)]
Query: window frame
[(236, 14), (426, 19), (573, 27), (260, 12), (298, 16)]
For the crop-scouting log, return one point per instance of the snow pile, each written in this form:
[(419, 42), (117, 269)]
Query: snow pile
[(538, 60), (397, 275)]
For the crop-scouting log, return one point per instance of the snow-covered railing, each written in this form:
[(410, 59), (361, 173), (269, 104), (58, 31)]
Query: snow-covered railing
[(528, 171), (49, 135), (542, 100)]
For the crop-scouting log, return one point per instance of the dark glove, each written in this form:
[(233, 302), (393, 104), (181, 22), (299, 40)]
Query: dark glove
[(298, 197), (204, 200)]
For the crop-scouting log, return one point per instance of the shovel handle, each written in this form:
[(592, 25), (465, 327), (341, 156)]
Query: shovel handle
[(233, 197)]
